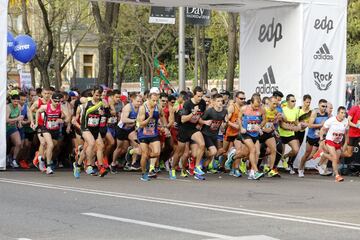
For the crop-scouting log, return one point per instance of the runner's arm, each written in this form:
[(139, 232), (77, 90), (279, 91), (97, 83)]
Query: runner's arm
[(141, 117), (171, 117), (125, 115)]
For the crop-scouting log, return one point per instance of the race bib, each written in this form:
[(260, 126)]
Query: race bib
[(103, 121), (149, 130), (269, 125), (338, 137), (93, 121), (112, 120), (52, 125)]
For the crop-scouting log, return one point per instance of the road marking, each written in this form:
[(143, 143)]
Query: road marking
[(161, 226), (254, 237), (210, 207)]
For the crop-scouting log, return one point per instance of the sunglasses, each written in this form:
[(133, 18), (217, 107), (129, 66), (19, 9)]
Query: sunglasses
[(324, 106), (173, 102), (293, 101), (163, 100), (242, 98), (56, 101)]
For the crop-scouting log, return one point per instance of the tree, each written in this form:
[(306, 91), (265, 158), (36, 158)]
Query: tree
[(232, 40), (353, 37), (106, 24)]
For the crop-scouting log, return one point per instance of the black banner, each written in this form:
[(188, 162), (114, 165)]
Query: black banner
[(162, 15), (197, 16)]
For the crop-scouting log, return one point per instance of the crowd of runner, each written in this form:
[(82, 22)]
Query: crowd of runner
[(187, 133)]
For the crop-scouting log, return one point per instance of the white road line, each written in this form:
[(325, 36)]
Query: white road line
[(253, 237), (161, 226), (210, 207)]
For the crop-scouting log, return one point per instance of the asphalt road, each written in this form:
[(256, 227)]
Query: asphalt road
[(36, 206)]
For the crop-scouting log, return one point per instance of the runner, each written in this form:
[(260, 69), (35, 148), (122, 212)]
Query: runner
[(212, 120), (335, 130), (252, 118), (148, 133), (288, 126), (191, 113), (317, 119), (54, 114), (13, 121)]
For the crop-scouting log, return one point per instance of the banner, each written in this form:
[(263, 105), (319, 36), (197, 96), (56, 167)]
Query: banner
[(270, 51), (197, 16), (324, 53), (25, 80), (162, 15), (3, 77)]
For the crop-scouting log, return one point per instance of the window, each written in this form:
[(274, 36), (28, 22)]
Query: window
[(88, 72), (88, 59)]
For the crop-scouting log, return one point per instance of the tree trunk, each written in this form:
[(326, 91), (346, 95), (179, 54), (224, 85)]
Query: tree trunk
[(232, 40), (32, 73), (45, 81)]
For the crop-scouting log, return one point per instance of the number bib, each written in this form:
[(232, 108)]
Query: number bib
[(52, 124), (93, 121), (112, 120), (149, 130), (338, 137)]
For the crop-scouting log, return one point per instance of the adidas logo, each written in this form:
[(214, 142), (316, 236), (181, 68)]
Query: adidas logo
[(323, 53), (267, 83)]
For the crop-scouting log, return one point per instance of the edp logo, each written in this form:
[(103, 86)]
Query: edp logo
[(271, 33), (324, 24)]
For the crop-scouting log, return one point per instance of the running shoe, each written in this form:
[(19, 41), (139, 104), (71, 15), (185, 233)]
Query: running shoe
[(49, 171), (145, 177), (23, 164), (237, 173), (266, 169), (326, 173), (292, 171), (301, 173), (284, 162), (199, 177), (339, 178), (243, 167), (42, 166), (172, 174), (113, 169), (14, 164), (232, 172), (127, 167), (319, 169), (89, 170), (76, 171), (230, 158), (272, 173), (251, 175), (103, 171), (192, 165), (198, 171), (135, 167), (258, 175), (157, 170), (162, 165), (183, 173), (128, 155), (36, 159), (152, 174), (106, 162)]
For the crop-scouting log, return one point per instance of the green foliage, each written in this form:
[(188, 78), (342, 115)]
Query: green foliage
[(353, 37)]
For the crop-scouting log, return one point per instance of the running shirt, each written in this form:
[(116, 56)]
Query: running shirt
[(290, 117), (91, 115), (41, 115), (230, 131), (14, 113), (251, 120), (314, 133), (151, 129), (51, 117), (187, 109), (132, 115), (354, 112), (177, 116), (271, 118), (336, 130), (217, 118)]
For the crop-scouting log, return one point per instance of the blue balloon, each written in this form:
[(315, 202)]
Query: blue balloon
[(10, 43), (25, 48)]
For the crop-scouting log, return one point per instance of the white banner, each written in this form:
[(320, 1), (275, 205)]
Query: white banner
[(324, 52), (270, 51), (3, 77)]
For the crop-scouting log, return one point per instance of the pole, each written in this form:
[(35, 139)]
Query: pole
[(197, 35), (181, 48)]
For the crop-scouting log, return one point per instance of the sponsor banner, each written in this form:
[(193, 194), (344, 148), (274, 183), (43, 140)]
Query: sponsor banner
[(3, 53), (197, 16), (324, 52), (162, 15), (270, 47), (25, 80)]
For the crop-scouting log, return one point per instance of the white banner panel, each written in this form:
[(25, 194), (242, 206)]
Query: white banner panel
[(324, 52), (270, 51), (3, 77)]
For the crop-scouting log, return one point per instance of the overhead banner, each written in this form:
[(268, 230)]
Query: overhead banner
[(324, 52), (197, 16), (162, 15), (3, 77), (270, 47)]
